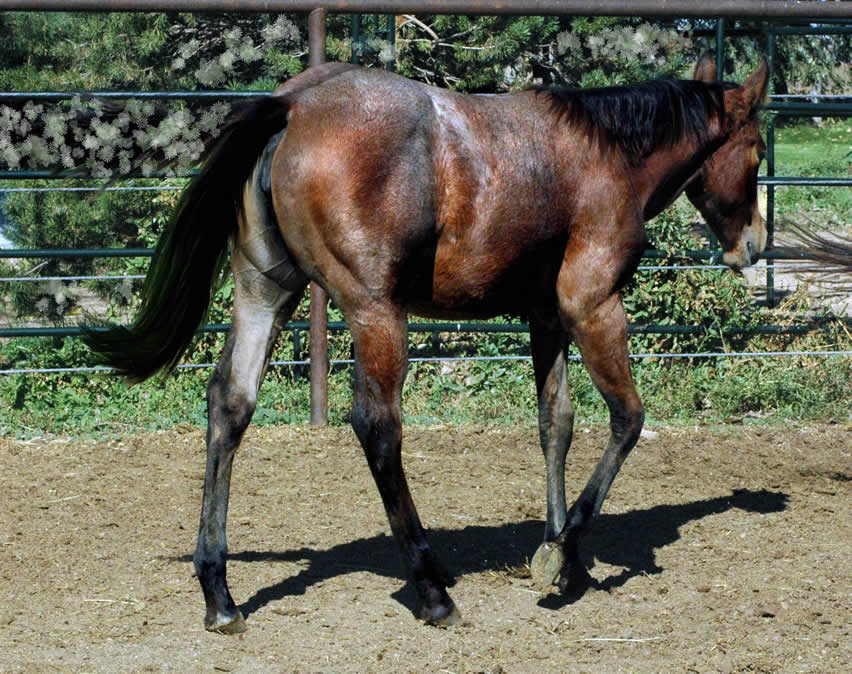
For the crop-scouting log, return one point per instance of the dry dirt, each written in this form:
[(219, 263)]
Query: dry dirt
[(723, 549)]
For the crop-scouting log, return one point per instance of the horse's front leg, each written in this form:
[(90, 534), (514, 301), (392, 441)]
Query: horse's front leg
[(601, 336), (556, 424), (380, 336)]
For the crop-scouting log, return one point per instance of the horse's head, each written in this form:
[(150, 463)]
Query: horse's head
[(725, 189)]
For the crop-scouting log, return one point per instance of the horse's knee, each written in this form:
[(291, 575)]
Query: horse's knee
[(635, 421), (628, 422)]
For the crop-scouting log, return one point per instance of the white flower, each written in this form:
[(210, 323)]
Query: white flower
[(188, 49), (214, 116), (387, 53), (105, 132), (91, 142), (248, 52), (26, 147), (54, 127), (567, 42), (210, 73), (124, 165), (282, 29), (9, 120), (143, 140), (227, 60), (194, 150), (137, 111), (106, 154), (57, 289), (32, 111), (101, 171), (11, 157), (40, 151), (234, 35)]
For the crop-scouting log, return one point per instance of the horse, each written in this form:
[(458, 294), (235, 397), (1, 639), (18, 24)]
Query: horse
[(400, 198)]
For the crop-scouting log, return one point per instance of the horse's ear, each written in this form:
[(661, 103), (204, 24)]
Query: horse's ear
[(705, 69), (756, 86)]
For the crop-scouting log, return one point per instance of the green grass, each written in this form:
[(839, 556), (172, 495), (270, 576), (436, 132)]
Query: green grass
[(807, 150), (674, 392)]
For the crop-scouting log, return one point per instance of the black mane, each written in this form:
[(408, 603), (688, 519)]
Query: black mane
[(640, 118)]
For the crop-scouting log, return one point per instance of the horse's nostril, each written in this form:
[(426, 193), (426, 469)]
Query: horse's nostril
[(752, 253)]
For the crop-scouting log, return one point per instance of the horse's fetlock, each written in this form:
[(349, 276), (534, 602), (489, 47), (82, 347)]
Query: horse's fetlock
[(208, 568)]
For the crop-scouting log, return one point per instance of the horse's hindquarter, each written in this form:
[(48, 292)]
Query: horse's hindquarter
[(350, 181)]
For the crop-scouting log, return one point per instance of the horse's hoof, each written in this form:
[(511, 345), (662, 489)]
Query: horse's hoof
[(442, 616), (223, 625), (547, 564)]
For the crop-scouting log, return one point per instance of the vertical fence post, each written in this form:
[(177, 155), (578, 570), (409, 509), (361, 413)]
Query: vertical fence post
[(713, 242), (319, 298), (390, 31), (356, 40), (770, 171), (720, 49)]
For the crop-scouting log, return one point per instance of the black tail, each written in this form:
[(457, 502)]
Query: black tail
[(192, 251)]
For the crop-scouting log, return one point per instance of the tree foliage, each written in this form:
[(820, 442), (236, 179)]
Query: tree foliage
[(152, 51)]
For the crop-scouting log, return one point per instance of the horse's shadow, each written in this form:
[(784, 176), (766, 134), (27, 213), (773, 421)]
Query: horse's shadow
[(629, 540)]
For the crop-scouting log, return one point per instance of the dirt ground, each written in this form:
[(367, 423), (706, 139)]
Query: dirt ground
[(719, 549)]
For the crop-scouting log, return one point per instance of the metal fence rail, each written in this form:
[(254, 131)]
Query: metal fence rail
[(822, 12), (759, 9), (451, 359)]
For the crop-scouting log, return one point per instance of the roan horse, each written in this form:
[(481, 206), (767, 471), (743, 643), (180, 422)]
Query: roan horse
[(398, 197)]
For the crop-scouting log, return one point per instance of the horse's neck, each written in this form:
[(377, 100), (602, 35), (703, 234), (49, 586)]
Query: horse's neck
[(665, 174)]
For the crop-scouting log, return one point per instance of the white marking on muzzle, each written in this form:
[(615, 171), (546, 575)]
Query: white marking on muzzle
[(751, 244)]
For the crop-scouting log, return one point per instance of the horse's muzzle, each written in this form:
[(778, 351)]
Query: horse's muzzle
[(751, 244)]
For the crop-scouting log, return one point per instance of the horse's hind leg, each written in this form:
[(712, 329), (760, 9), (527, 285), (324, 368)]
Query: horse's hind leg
[(381, 357), (267, 288), (556, 424)]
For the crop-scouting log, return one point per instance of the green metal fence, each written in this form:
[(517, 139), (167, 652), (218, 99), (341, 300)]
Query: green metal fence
[(777, 108)]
